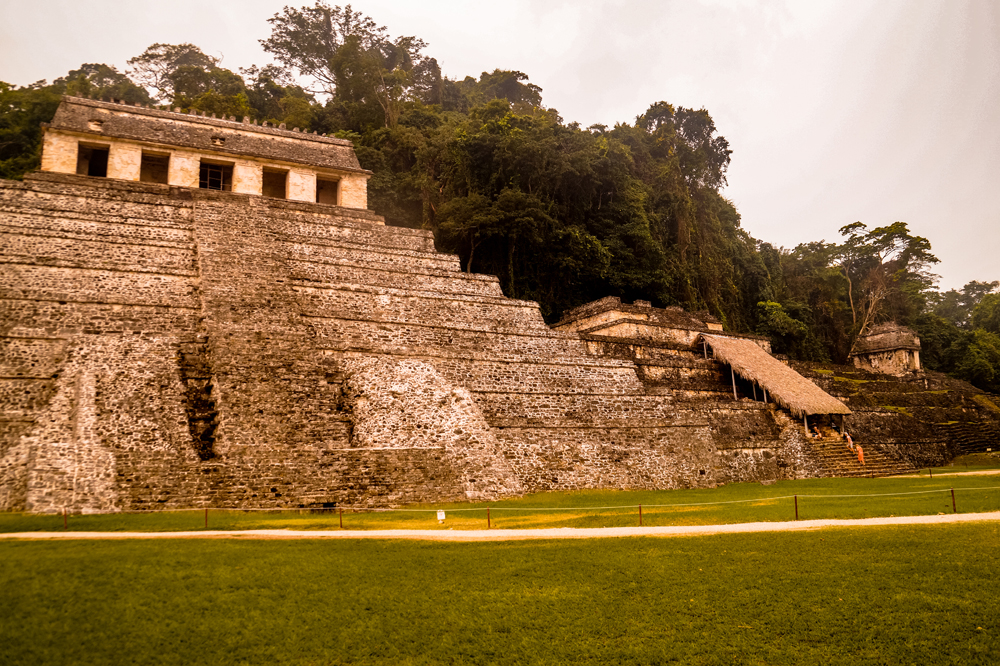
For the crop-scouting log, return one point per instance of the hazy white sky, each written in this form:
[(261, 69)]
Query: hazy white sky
[(876, 111)]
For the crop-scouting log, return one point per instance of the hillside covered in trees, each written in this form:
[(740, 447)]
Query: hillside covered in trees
[(561, 213)]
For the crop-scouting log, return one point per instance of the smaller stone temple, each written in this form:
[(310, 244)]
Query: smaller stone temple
[(655, 338), (148, 145), (610, 318), (889, 349)]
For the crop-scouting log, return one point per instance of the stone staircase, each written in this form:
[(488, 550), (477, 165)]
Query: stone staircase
[(838, 460), (198, 400)]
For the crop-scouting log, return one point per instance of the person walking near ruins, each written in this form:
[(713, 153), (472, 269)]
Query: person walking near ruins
[(861, 453)]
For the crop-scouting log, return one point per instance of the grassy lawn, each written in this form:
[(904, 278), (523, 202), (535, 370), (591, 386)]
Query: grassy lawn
[(747, 502), (973, 462), (893, 595)]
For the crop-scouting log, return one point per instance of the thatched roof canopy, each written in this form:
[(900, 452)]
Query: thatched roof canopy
[(788, 388)]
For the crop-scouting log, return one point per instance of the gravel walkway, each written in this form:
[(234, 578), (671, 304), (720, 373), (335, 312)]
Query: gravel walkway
[(518, 535), (982, 472)]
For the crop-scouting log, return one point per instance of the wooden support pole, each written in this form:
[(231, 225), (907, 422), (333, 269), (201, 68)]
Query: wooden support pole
[(733, 373), (704, 348), (805, 423), (765, 393), (755, 391)]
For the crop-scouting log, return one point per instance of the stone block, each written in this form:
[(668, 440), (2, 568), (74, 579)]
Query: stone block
[(59, 152), (124, 161)]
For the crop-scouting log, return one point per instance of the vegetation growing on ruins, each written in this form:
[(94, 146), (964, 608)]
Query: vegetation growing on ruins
[(836, 596), (561, 213)]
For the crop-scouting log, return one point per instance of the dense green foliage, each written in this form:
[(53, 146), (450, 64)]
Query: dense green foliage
[(889, 595), (561, 213)]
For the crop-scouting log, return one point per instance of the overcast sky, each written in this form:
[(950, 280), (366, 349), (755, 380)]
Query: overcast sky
[(836, 112)]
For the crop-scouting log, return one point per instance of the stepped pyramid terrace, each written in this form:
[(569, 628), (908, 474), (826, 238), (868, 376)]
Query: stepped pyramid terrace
[(202, 311)]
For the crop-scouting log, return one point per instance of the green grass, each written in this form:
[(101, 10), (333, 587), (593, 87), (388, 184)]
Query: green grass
[(894, 595), (973, 462), (840, 378), (986, 402), (734, 503)]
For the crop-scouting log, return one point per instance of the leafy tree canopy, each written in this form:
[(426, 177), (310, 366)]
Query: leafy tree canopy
[(562, 214)]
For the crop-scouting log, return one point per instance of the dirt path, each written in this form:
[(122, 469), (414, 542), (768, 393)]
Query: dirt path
[(516, 535), (982, 472)]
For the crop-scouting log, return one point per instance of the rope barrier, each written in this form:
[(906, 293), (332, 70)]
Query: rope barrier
[(541, 508)]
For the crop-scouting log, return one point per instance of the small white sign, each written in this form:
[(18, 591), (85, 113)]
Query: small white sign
[(440, 516)]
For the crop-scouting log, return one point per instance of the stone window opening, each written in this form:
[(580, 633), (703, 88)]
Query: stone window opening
[(275, 183), (215, 176), (92, 160), (154, 167), (326, 190)]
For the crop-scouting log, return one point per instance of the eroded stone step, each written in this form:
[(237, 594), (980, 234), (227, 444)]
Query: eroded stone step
[(77, 225), (318, 227), (96, 254), (97, 285), (48, 318), (370, 255), (324, 273), (399, 306)]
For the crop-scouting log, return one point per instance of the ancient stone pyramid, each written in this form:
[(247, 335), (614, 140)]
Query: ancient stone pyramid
[(207, 315), (173, 347)]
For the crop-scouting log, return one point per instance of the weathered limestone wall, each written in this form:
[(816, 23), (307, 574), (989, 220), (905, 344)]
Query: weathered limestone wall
[(124, 160), (117, 437), (353, 192), (896, 362), (759, 443), (94, 287), (915, 418), (408, 405), (302, 186), (277, 408), (59, 153), (183, 169), (248, 177)]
